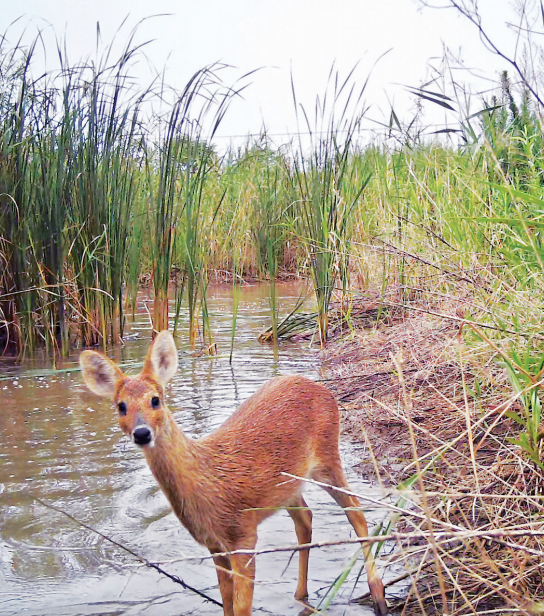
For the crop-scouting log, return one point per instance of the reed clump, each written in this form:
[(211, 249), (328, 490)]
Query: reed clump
[(95, 196), (69, 181)]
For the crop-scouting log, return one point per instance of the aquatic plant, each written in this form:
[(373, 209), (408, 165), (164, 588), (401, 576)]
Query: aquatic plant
[(321, 180)]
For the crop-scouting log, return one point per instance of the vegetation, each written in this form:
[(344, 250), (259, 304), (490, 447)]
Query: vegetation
[(93, 197), (97, 192)]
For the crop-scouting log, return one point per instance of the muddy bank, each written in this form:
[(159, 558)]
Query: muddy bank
[(386, 350), (413, 385)]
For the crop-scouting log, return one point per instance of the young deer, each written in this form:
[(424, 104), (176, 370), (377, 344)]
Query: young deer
[(223, 485)]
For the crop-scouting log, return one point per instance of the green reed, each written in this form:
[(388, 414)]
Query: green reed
[(327, 187), (182, 221), (68, 186), (102, 199), (16, 295), (92, 197)]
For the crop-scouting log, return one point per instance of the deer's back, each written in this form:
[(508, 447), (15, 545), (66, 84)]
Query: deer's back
[(285, 404), (289, 425)]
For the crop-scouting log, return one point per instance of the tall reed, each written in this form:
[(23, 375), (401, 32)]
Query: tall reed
[(320, 181), (184, 161), (70, 143), (16, 286), (105, 152)]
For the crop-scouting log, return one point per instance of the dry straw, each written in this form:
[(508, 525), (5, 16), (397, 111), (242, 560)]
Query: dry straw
[(449, 448)]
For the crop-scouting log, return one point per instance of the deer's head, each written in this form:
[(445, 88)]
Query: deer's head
[(139, 399)]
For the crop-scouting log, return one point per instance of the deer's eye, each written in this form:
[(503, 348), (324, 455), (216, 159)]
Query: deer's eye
[(155, 402), (122, 408)]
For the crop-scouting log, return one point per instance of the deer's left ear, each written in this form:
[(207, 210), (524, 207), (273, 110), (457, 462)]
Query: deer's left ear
[(100, 374), (162, 360)]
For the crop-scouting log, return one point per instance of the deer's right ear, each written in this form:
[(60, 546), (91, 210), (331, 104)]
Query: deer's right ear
[(100, 374)]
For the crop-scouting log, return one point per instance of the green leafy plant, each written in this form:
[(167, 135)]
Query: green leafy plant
[(525, 375)]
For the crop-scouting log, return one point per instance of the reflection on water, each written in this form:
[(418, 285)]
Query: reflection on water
[(62, 444)]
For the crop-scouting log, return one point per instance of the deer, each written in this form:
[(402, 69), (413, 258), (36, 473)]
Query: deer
[(222, 485)]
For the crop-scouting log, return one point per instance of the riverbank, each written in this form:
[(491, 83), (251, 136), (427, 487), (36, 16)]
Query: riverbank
[(436, 409)]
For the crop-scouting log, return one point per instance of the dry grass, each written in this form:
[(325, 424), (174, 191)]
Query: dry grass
[(406, 382)]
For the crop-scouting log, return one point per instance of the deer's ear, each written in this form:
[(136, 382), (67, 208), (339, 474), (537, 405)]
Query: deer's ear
[(162, 360), (100, 374)]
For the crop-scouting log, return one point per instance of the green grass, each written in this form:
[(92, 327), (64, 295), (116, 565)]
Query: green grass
[(94, 194)]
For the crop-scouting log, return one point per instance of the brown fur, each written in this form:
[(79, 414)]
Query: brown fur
[(223, 485)]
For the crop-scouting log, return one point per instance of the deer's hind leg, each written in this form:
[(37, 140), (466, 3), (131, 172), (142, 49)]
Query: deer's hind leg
[(334, 476), (302, 517)]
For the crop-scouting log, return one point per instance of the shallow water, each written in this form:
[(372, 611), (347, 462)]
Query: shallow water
[(62, 444)]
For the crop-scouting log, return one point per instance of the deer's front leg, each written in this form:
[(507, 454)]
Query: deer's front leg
[(226, 587), (243, 573)]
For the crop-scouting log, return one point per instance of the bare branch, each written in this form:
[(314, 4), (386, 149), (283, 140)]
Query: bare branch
[(151, 565), (474, 17), (443, 538)]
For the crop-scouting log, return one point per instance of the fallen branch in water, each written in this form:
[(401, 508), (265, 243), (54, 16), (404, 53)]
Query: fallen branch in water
[(151, 565)]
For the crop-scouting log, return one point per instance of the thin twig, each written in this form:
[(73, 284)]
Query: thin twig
[(441, 538), (151, 565)]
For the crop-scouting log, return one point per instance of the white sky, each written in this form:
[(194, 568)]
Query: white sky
[(279, 36)]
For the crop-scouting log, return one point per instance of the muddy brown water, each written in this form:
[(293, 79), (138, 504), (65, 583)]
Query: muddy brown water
[(61, 444)]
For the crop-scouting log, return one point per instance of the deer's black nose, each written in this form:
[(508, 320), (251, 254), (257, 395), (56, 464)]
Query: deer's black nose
[(142, 435)]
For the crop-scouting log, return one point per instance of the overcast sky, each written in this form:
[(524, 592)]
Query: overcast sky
[(304, 37)]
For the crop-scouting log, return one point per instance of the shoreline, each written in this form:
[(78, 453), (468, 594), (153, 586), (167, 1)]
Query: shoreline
[(435, 412)]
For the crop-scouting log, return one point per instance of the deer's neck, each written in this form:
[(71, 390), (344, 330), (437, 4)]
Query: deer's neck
[(170, 462), (176, 463)]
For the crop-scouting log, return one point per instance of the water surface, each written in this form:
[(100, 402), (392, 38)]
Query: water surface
[(62, 444)]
